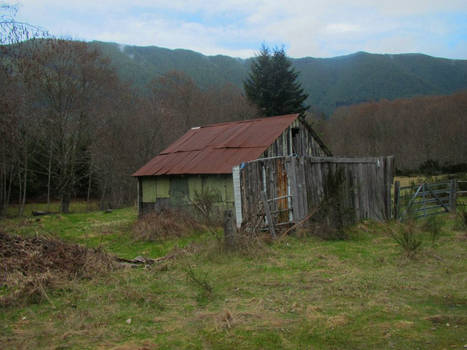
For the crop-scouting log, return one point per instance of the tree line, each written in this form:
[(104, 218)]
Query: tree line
[(70, 128), (427, 134)]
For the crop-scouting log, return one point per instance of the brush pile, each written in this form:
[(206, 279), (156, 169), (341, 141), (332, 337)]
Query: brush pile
[(29, 266)]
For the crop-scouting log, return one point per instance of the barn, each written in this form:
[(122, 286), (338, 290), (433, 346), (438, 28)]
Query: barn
[(203, 158)]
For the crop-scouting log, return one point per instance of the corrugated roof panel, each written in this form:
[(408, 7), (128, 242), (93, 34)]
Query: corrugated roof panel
[(216, 148)]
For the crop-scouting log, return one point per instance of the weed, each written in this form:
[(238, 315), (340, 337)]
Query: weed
[(200, 281), (461, 218), (433, 225), (203, 204), (406, 235)]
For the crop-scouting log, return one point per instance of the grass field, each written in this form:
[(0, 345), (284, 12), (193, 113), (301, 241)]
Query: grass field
[(75, 207), (299, 293)]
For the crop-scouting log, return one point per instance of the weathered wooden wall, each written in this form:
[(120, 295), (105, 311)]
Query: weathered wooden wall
[(304, 182), (298, 139)]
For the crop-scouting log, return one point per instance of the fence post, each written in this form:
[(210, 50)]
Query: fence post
[(397, 186), (229, 233), (453, 196)]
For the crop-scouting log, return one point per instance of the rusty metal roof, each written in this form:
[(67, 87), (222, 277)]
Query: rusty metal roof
[(216, 148)]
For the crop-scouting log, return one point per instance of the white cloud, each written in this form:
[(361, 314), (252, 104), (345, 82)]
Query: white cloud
[(342, 28), (237, 27)]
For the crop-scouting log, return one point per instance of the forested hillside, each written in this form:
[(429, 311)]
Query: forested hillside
[(329, 82), (427, 133)]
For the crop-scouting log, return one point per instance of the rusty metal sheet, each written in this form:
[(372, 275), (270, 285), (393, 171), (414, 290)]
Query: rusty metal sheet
[(216, 148)]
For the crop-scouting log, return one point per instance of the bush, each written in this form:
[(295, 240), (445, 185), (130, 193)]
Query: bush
[(165, 224), (204, 206), (433, 225), (199, 280), (406, 236)]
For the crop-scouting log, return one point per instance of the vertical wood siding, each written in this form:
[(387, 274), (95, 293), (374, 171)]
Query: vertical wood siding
[(305, 143), (365, 184)]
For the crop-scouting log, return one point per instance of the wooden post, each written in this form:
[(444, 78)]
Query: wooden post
[(229, 232), (453, 196), (397, 185), (267, 211), (139, 188)]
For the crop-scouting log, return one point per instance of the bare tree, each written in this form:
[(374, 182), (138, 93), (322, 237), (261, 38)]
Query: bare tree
[(73, 78)]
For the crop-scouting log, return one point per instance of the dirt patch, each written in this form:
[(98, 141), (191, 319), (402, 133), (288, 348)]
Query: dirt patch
[(30, 265), (447, 319)]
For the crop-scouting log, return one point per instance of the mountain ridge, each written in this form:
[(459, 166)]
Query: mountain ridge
[(329, 82)]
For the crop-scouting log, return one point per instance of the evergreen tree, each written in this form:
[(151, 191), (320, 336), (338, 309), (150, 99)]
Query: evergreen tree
[(272, 84)]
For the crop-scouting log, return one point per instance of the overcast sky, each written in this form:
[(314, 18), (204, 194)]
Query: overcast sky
[(314, 28)]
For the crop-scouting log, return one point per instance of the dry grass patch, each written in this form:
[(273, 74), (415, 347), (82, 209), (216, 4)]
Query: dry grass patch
[(165, 224)]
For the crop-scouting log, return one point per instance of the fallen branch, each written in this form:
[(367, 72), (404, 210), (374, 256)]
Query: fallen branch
[(140, 260), (298, 224)]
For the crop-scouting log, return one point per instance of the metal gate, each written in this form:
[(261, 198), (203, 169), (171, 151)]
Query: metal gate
[(424, 199)]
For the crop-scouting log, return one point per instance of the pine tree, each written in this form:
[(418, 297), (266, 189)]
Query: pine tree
[(272, 84)]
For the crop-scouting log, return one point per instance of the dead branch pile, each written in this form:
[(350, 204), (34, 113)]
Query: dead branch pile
[(30, 265)]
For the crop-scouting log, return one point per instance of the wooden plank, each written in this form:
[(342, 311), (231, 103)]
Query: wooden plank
[(229, 232), (292, 178), (301, 189), (267, 211), (388, 181), (343, 160), (277, 198)]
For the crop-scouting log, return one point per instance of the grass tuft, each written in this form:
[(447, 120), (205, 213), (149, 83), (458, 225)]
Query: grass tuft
[(407, 236)]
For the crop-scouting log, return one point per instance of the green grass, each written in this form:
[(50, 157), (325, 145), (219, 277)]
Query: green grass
[(299, 293), (75, 207), (111, 231)]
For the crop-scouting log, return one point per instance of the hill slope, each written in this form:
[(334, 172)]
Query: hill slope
[(330, 82)]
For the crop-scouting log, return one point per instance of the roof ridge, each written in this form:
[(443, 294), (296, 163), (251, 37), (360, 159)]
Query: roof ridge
[(248, 120)]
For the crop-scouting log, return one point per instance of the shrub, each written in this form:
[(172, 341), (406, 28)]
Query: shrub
[(407, 237), (200, 281), (204, 205), (433, 225), (165, 224)]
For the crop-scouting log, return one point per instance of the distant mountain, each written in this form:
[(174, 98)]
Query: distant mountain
[(330, 82)]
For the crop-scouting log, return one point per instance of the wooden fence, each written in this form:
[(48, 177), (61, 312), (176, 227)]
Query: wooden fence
[(293, 186)]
